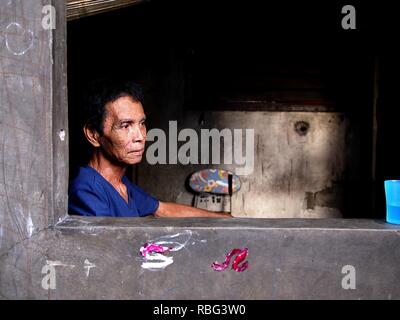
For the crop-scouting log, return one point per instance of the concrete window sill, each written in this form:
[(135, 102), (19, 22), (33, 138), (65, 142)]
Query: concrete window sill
[(76, 222)]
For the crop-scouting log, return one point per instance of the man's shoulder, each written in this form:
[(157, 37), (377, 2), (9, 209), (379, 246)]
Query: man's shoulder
[(86, 196), (87, 179)]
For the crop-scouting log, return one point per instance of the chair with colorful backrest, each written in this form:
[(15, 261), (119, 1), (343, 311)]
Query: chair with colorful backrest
[(212, 187)]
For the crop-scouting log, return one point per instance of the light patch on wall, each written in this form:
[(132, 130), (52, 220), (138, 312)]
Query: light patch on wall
[(18, 39), (61, 134), (155, 261), (29, 225), (59, 264), (88, 266)]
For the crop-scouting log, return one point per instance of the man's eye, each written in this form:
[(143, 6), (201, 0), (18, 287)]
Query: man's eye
[(143, 123), (125, 126)]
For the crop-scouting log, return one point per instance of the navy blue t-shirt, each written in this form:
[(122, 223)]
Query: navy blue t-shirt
[(90, 194)]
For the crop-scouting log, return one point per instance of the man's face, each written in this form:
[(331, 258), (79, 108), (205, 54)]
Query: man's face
[(124, 133)]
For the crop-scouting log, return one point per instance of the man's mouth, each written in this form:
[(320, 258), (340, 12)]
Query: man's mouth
[(137, 152)]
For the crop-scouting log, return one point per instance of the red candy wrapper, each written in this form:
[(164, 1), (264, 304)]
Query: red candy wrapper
[(241, 255)]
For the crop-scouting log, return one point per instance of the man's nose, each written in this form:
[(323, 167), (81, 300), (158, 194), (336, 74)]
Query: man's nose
[(139, 134)]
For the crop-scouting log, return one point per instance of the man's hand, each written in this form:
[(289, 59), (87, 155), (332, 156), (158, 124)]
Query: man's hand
[(175, 210)]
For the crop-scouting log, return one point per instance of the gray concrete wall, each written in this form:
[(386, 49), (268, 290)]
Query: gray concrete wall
[(288, 259), (295, 174), (98, 258), (34, 156), (26, 91)]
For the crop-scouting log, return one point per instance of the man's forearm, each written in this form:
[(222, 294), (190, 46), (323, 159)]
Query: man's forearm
[(176, 210)]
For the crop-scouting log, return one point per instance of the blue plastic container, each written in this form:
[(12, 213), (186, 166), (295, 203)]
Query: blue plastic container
[(392, 192)]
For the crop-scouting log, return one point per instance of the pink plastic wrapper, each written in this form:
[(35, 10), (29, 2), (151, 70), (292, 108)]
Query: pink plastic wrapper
[(151, 247), (241, 255)]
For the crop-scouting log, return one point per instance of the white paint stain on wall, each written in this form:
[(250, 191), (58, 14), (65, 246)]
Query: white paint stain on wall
[(61, 134), (59, 264), (18, 39), (88, 266), (29, 225), (176, 242), (157, 261)]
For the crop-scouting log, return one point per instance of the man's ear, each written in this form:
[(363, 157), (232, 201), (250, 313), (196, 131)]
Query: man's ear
[(91, 135)]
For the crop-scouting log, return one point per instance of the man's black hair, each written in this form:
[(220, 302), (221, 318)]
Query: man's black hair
[(100, 92)]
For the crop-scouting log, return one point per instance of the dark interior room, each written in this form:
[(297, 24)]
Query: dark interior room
[(199, 57)]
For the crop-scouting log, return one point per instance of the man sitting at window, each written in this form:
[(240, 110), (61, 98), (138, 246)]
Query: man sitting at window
[(115, 127)]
